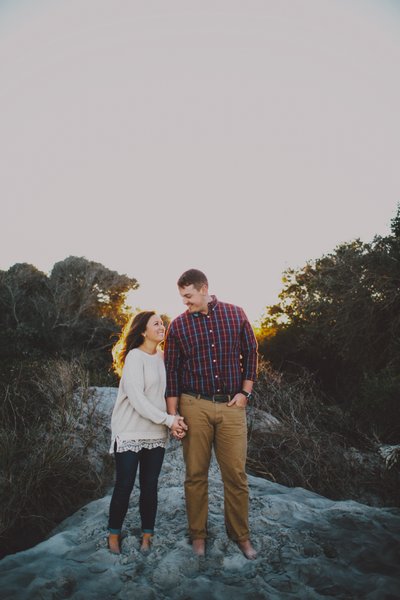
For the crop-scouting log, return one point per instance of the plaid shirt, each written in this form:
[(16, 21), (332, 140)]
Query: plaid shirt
[(212, 353)]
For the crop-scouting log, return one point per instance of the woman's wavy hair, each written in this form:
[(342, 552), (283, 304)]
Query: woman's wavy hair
[(131, 337)]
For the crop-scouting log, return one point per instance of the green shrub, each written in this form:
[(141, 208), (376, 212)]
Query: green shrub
[(378, 404)]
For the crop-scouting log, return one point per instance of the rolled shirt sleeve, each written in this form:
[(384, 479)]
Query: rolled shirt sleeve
[(249, 351)]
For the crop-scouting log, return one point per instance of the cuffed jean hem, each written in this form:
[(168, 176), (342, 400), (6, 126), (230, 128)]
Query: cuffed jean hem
[(116, 531), (241, 538), (198, 536)]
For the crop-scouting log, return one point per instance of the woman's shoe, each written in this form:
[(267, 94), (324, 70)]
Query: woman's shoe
[(113, 543), (146, 543)]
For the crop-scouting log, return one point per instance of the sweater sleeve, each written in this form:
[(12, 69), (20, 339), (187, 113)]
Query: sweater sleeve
[(134, 387)]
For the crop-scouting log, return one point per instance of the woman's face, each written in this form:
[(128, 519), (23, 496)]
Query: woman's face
[(155, 329)]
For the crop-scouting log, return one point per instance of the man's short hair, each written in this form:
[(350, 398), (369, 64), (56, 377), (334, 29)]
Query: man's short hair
[(192, 277)]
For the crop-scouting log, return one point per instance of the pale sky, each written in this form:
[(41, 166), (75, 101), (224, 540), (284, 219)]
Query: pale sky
[(237, 137)]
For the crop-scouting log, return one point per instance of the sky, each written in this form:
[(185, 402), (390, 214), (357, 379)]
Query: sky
[(241, 138)]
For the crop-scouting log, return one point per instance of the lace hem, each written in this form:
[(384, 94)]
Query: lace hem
[(137, 445)]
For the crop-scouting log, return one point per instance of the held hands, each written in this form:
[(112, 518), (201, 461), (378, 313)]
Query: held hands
[(179, 428)]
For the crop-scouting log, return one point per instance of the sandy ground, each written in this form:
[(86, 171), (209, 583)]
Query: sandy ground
[(309, 547)]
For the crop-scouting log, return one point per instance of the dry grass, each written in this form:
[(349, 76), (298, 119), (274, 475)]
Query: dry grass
[(313, 445), (49, 428)]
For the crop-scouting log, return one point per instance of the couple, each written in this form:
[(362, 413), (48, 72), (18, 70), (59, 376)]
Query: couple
[(210, 356)]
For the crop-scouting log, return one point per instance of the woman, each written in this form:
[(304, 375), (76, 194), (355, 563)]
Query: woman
[(139, 423)]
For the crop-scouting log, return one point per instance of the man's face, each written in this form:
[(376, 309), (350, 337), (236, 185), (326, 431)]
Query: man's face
[(195, 300)]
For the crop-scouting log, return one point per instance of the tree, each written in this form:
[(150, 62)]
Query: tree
[(77, 309), (395, 224), (27, 309), (339, 316), (83, 288), (90, 303)]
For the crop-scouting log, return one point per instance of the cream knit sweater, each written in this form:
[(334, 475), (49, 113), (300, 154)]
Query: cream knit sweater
[(140, 409)]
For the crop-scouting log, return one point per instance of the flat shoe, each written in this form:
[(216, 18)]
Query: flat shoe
[(114, 547), (145, 548)]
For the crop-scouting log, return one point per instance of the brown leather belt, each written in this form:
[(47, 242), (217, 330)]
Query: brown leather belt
[(214, 398)]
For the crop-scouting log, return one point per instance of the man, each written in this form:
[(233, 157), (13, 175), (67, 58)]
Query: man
[(211, 361)]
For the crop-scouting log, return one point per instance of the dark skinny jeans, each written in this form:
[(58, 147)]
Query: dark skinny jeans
[(126, 464)]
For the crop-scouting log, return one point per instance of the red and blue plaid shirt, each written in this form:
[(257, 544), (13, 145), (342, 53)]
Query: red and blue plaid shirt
[(210, 353)]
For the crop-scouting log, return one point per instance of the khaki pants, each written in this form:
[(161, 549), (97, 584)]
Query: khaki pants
[(225, 427)]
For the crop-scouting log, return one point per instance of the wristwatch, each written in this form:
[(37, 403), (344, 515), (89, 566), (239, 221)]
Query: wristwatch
[(248, 395)]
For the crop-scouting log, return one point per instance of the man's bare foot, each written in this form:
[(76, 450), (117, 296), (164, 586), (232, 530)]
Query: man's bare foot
[(146, 542), (199, 547), (247, 549), (113, 543)]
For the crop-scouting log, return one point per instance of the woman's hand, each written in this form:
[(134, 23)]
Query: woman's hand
[(179, 428)]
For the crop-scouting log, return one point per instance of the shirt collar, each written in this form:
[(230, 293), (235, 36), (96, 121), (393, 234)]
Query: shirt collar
[(213, 303), (211, 306)]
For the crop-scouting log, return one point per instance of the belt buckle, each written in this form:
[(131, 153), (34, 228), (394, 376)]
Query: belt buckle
[(225, 396)]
